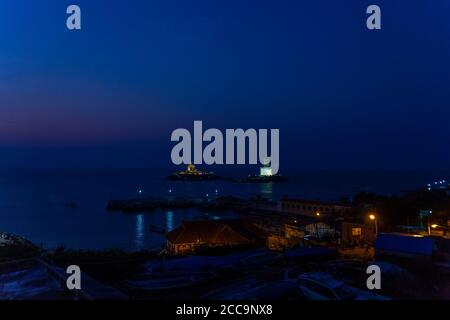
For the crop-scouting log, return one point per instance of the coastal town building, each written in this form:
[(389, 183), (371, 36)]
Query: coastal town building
[(280, 242), (320, 230), (312, 207), (356, 234), (192, 235), (302, 228), (294, 231)]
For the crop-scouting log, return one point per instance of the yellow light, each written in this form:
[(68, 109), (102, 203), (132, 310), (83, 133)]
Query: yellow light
[(434, 226), (318, 214), (372, 217)]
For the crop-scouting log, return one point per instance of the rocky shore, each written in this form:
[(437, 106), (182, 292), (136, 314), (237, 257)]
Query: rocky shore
[(16, 247)]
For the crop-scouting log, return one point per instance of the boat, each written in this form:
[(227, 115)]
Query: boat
[(279, 290), (323, 286), (238, 290), (193, 174), (168, 280), (208, 263), (35, 279), (29, 280), (255, 289)]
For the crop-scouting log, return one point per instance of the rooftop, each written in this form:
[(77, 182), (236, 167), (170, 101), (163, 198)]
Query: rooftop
[(216, 232)]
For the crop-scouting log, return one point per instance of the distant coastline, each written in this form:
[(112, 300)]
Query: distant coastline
[(34, 203)]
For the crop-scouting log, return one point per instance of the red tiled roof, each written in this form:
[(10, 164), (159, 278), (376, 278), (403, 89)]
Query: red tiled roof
[(216, 232)]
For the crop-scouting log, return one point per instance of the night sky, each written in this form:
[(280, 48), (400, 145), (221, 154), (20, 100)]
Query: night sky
[(110, 95)]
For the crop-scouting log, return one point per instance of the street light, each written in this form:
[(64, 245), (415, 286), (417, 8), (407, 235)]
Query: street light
[(374, 218), (318, 214), (436, 226)]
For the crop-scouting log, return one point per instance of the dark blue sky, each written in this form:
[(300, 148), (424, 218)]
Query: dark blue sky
[(109, 95)]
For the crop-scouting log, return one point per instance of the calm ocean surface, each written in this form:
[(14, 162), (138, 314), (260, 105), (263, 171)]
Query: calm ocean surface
[(33, 203)]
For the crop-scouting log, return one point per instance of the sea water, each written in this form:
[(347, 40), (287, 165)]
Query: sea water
[(34, 204)]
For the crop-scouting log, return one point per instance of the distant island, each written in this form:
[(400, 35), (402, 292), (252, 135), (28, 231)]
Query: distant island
[(193, 174), (265, 176)]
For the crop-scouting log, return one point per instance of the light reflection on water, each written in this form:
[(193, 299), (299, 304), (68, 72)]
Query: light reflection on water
[(266, 189), (169, 221), (140, 228)]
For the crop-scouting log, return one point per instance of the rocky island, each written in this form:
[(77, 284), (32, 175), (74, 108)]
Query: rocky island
[(193, 174)]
